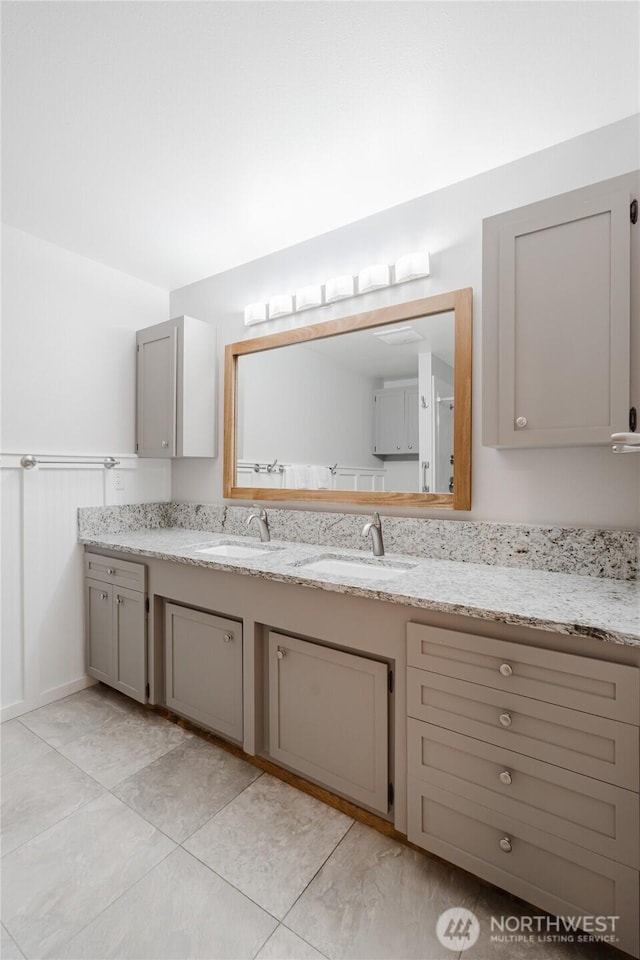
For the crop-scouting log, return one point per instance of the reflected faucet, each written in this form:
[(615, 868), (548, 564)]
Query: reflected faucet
[(374, 527), (263, 523)]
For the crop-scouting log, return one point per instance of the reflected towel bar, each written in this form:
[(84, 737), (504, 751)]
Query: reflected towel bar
[(28, 461)]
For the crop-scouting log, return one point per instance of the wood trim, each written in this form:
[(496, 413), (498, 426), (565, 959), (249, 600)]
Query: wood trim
[(458, 301), (462, 392)]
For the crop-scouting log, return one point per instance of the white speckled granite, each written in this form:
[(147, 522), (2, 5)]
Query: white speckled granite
[(605, 609), (595, 553)]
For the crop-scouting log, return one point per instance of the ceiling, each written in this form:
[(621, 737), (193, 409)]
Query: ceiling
[(174, 140)]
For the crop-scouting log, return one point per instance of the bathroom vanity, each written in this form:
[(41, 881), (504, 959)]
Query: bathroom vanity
[(490, 714)]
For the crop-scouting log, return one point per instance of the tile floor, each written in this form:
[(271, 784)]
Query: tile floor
[(125, 836)]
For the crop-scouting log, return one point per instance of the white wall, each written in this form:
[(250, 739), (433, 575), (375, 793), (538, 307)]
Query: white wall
[(68, 388), (579, 486), (303, 407)]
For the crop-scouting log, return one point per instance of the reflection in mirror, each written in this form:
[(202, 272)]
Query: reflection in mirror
[(335, 413), (368, 410)]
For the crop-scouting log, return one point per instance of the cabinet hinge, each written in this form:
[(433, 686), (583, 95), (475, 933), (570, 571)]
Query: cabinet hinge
[(390, 681), (147, 691), (137, 447), (137, 348), (146, 604), (633, 211), (633, 419), (390, 794)]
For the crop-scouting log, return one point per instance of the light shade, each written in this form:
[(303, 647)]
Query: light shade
[(373, 277), (338, 288), (255, 313), (308, 297), (280, 305), (411, 266)]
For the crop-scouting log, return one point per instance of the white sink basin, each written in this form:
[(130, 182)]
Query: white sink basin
[(345, 567), (237, 551)]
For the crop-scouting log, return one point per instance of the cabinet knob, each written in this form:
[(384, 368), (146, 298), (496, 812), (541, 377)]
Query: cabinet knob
[(506, 845), (521, 423), (410, 446), (506, 669), (165, 443), (228, 637), (119, 599), (505, 777), (104, 596), (397, 446), (280, 654), (110, 571), (505, 719)]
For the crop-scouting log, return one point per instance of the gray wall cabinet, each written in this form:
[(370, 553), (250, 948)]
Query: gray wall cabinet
[(176, 389), (556, 319), (395, 420), (116, 624), (203, 668), (328, 717)]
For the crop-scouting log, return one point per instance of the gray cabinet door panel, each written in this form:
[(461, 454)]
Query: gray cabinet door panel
[(156, 392), (204, 668), (328, 717), (99, 630), (587, 812), (556, 319), (390, 432), (130, 654), (583, 683), (595, 746), (560, 877)]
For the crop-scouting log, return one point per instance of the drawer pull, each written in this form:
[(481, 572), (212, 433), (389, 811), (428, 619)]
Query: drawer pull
[(110, 571), (505, 719), (104, 596), (505, 777), (228, 637), (505, 845), (280, 654), (506, 669)]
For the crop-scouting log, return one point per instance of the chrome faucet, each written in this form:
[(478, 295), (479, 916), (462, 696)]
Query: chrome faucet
[(374, 527), (263, 523)]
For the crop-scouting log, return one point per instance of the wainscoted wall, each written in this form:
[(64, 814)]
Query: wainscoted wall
[(42, 647)]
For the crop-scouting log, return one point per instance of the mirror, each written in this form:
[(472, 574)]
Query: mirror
[(370, 409)]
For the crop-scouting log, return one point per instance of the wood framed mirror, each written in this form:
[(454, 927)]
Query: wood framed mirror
[(371, 409)]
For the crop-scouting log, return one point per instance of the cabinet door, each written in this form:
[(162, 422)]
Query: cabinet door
[(411, 419), (389, 421), (99, 630), (130, 643), (204, 668), (328, 717), (156, 392), (556, 320)]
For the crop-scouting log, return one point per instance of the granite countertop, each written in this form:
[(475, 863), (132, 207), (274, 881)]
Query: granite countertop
[(582, 606)]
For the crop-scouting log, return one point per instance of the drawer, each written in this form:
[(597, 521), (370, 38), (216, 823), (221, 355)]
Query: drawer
[(594, 746), (587, 812), (583, 683), (122, 573), (559, 877)]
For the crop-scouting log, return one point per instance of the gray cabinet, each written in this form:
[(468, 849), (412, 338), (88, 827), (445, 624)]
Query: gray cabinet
[(328, 717), (556, 319), (523, 768), (116, 624), (203, 668), (176, 389), (395, 417)]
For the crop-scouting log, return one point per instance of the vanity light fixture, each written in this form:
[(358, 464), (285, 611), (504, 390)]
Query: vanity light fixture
[(373, 277), (411, 266), (280, 305), (337, 288), (307, 297), (255, 313)]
